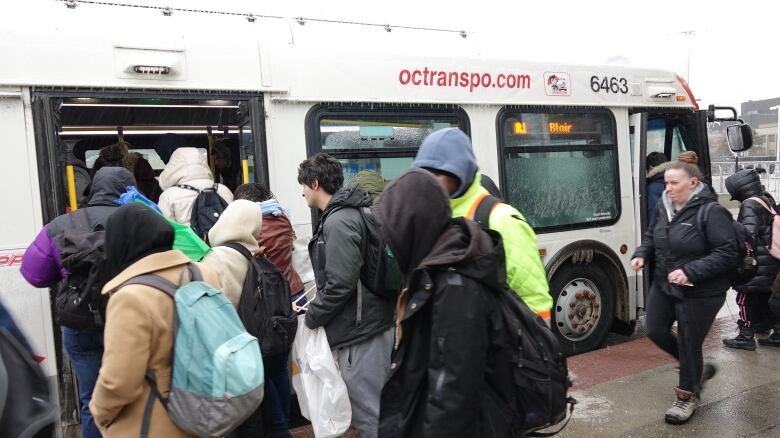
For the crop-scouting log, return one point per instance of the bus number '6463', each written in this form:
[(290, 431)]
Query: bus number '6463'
[(609, 84)]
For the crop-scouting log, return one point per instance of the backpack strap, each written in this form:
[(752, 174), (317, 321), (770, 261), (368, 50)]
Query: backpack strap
[(763, 204), (154, 393), (240, 248), (701, 218), (485, 207), (571, 401), (164, 284), (187, 187)]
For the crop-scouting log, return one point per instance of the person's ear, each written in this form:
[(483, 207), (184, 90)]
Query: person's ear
[(315, 184)]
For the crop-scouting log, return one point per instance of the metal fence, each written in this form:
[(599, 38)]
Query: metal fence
[(770, 177)]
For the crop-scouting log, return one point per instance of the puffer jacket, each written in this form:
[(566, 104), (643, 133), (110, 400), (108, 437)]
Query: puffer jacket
[(187, 166), (707, 253), (42, 262), (240, 223), (444, 371), (742, 186), (525, 273), (348, 313)]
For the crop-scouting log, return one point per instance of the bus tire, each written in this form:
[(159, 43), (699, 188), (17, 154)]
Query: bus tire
[(583, 307)]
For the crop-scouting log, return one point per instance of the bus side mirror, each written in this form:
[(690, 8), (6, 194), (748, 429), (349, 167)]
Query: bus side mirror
[(739, 137)]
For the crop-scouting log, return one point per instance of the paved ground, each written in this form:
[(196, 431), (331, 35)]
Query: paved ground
[(624, 389)]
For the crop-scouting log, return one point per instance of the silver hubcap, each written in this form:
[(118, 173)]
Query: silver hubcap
[(578, 309)]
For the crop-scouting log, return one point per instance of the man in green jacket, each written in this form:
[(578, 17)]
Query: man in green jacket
[(447, 154)]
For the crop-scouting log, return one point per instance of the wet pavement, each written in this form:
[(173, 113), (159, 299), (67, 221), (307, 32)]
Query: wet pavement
[(623, 390)]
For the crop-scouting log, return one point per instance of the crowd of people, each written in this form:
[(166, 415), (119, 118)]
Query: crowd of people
[(421, 360), (387, 346)]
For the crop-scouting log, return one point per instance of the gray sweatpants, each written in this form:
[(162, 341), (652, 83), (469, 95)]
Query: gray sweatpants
[(365, 367)]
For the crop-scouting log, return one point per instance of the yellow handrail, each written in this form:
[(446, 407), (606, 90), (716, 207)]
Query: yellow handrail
[(74, 205), (245, 168)]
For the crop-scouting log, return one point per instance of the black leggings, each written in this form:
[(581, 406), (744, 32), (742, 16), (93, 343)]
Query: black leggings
[(694, 318)]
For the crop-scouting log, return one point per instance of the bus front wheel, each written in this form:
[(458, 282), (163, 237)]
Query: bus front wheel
[(583, 307)]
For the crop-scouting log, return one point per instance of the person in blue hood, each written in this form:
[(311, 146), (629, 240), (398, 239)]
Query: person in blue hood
[(448, 155)]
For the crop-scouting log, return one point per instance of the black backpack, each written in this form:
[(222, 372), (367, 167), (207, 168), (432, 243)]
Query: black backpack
[(264, 307), (79, 303), (539, 397), (380, 272), (26, 408), (206, 209), (747, 262)]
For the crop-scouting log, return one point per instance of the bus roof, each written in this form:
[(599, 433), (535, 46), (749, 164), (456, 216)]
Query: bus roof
[(93, 47)]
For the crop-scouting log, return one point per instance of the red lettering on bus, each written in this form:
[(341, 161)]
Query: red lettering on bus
[(401, 77)]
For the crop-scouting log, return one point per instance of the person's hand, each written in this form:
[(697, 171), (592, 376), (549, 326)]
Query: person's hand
[(678, 277), (638, 263)]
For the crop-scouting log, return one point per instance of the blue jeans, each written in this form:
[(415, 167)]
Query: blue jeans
[(276, 404), (85, 351)]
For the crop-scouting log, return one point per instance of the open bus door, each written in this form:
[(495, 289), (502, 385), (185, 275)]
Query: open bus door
[(672, 133)]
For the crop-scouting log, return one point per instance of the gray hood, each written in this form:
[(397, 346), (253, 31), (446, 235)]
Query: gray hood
[(109, 183), (699, 190)]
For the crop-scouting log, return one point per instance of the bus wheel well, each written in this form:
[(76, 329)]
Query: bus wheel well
[(591, 251)]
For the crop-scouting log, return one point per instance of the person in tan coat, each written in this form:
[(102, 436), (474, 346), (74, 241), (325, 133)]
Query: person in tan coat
[(138, 332)]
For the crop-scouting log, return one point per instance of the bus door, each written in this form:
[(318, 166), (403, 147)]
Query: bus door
[(638, 140), (671, 133)]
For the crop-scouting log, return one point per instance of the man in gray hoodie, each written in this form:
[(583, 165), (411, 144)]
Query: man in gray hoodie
[(358, 322)]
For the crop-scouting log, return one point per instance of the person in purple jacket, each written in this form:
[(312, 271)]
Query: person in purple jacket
[(42, 267)]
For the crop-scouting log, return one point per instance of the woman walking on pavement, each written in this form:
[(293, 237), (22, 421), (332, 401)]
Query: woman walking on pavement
[(753, 296), (693, 263)]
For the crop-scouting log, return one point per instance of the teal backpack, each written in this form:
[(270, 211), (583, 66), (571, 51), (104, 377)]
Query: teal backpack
[(217, 380)]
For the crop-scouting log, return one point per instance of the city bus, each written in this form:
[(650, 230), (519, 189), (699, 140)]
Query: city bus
[(566, 143)]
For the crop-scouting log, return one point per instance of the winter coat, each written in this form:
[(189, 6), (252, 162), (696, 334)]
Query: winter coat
[(674, 241), (741, 186), (277, 241), (42, 263), (525, 273), (655, 188), (240, 223), (336, 252), (443, 367), (139, 337), (186, 166)]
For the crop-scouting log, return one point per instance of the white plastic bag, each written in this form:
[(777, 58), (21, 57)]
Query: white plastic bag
[(321, 391), (300, 259)]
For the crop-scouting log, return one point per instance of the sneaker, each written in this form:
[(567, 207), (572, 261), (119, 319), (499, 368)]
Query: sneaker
[(772, 340), (744, 340), (682, 408)]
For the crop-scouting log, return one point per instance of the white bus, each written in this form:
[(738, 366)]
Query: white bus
[(566, 143)]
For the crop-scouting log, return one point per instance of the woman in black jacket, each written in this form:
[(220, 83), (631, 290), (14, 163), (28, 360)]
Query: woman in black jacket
[(753, 296), (693, 263)]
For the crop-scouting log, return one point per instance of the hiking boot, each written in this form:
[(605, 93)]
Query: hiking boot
[(682, 408), (772, 340), (744, 340)]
